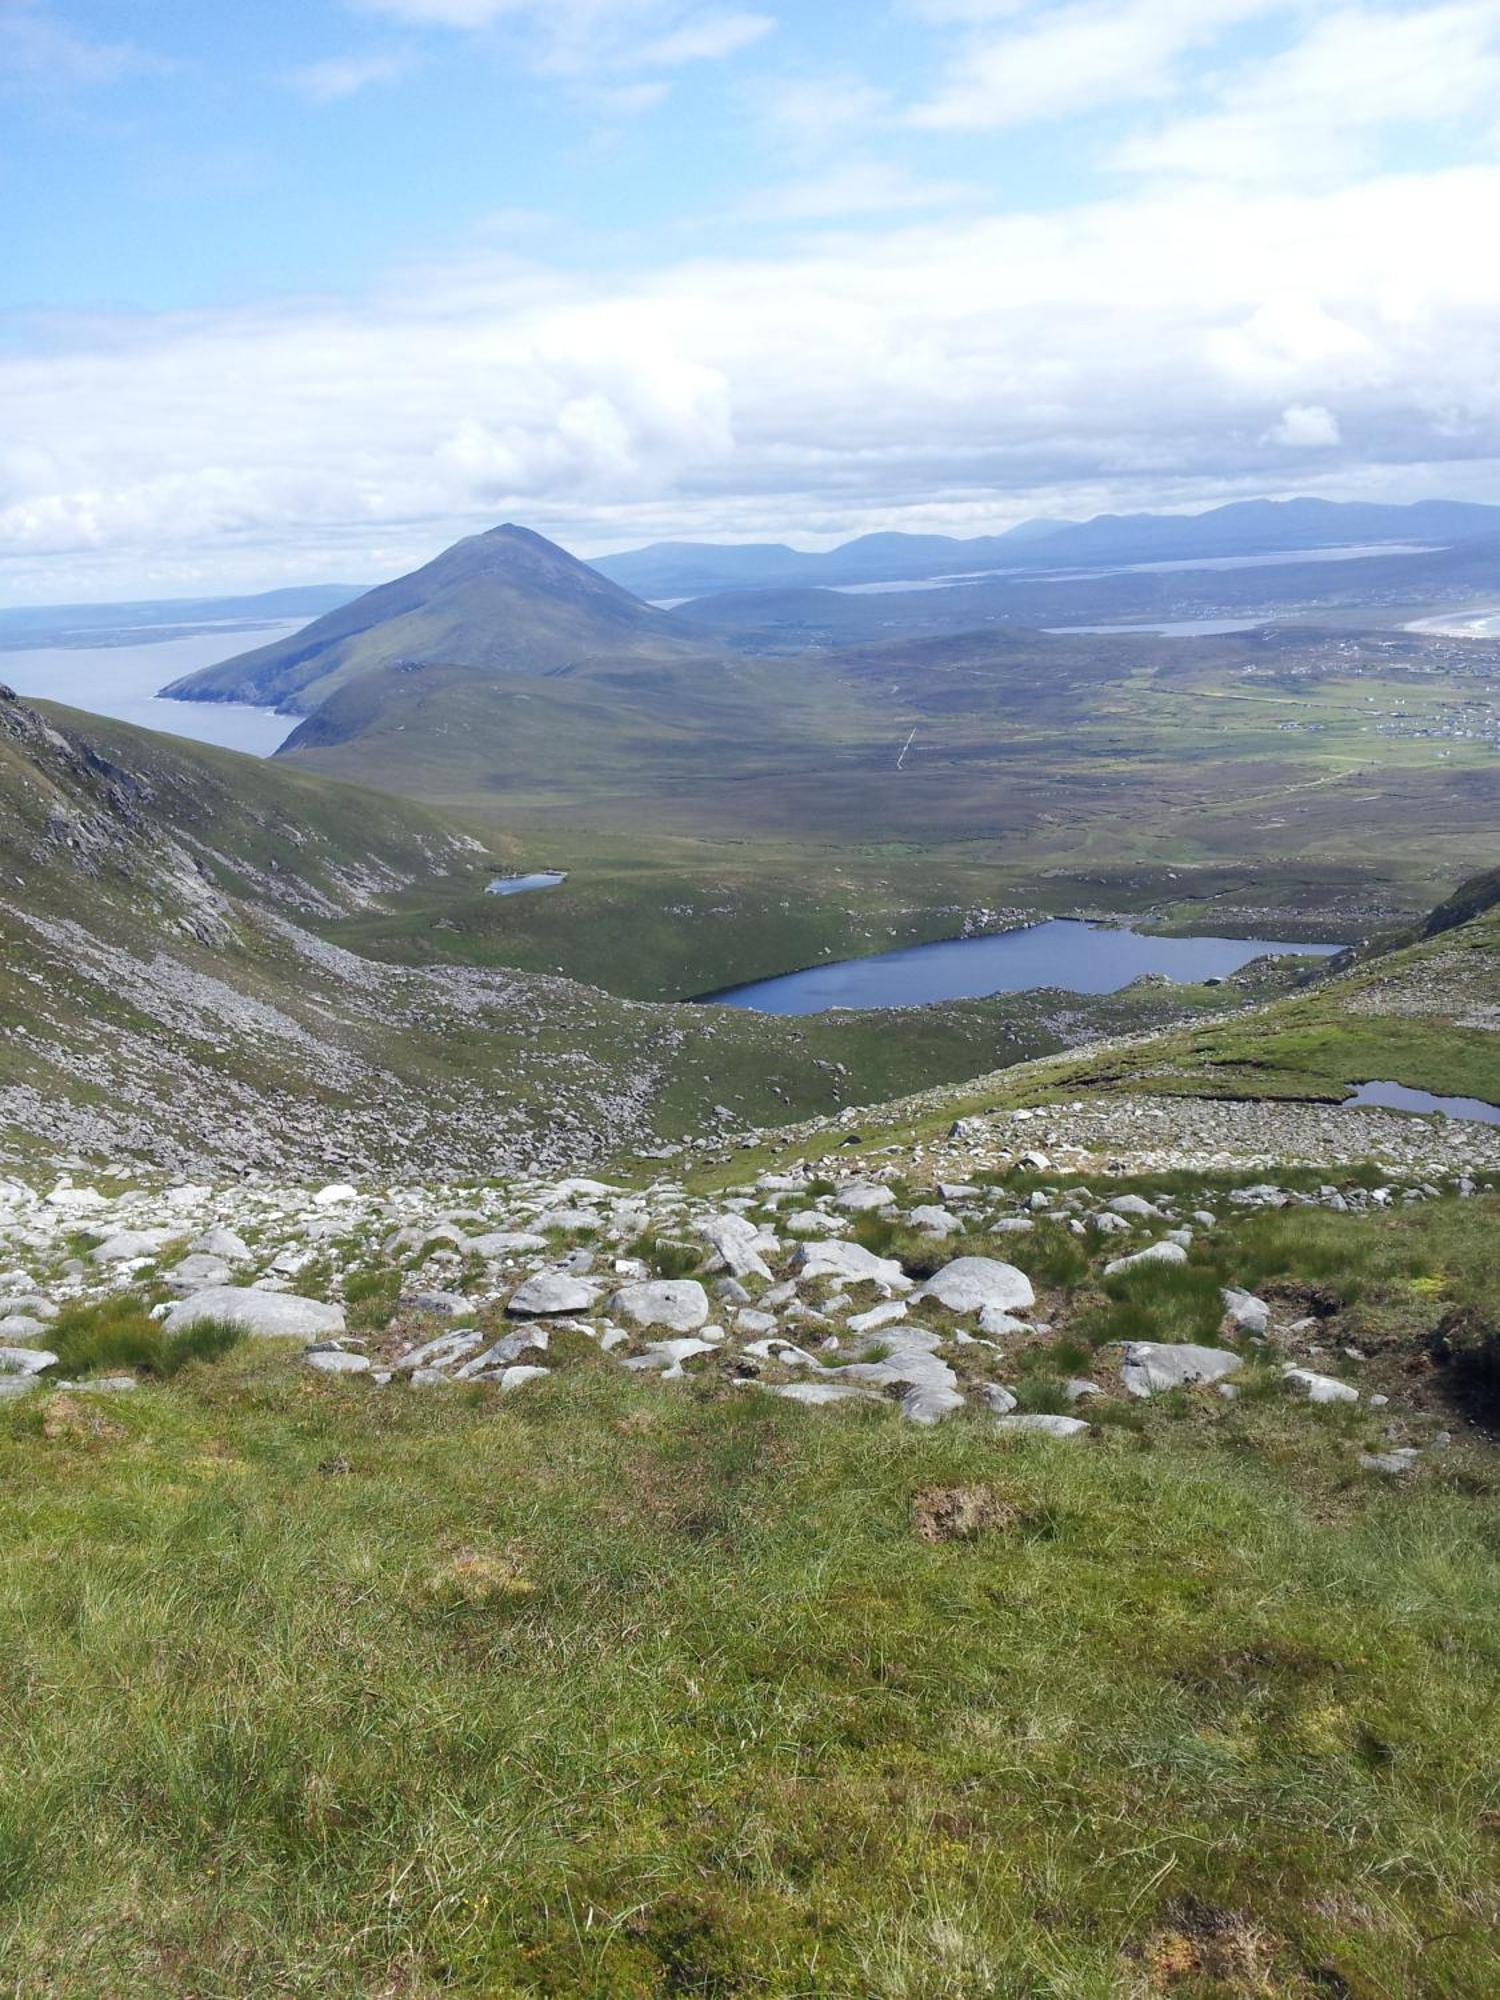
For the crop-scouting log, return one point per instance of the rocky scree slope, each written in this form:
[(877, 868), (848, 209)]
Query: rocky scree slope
[(1017, 1269), (163, 994)]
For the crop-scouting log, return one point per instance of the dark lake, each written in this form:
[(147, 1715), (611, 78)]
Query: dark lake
[(122, 681), (1080, 957)]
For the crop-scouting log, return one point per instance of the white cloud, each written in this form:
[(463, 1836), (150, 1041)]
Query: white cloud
[(705, 38), (1316, 110), (1305, 427), (961, 371), (339, 77), (857, 188), (1055, 62), (40, 52), (587, 37)]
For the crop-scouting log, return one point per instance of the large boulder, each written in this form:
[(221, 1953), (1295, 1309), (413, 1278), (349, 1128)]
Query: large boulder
[(128, 1244), (552, 1292), (1153, 1367), (851, 1261), (969, 1284), (678, 1304), (739, 1243), (267, 1315)]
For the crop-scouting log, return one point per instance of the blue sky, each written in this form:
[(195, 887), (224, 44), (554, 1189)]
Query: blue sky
[(301, 290)]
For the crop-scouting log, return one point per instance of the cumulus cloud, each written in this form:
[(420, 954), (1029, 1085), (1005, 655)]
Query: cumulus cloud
[(1305, 427), (955, 373)]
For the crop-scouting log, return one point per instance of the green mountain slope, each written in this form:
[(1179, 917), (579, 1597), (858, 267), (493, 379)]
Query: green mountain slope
[(503, 602), (183, 980)]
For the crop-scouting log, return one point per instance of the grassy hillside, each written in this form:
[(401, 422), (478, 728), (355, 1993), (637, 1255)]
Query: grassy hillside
[(506, 602), (616, 1686), (177, 985)]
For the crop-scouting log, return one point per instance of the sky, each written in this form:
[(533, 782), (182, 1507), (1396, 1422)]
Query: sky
[(303, 290)]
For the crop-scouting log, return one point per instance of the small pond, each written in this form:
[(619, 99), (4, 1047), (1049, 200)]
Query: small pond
[(1398, 1097), (1077, 956), (522, 885)]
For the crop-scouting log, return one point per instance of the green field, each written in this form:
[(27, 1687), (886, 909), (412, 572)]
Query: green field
[(622, 1690)]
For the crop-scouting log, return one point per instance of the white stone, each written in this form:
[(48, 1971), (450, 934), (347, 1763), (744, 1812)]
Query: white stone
[(552, 1292), (1154, 1253), (335, 1193), (969, 1284), (1044, 1426), (330, 1361), (1151, 1367), (1318, 1388), (679, 1304), (851, 1261), (269, 1315)]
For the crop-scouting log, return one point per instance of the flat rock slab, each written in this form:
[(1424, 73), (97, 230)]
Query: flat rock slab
[(851, 1261), (268, 1315), (330, 1361), (818, 1393), (552, 1292), (1151, 1367), (970, 1284), (678, 1304), (1043, 1426)]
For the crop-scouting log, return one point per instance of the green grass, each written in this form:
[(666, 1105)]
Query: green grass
[(118, 1334), (622, 1690)]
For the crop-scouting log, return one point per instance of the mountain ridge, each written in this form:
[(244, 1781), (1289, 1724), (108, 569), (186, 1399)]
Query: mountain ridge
[(503, 601)]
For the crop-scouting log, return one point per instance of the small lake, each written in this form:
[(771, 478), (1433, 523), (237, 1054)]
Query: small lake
[(522, 885), (122, 681), (1398, 1097), (1077, 956)]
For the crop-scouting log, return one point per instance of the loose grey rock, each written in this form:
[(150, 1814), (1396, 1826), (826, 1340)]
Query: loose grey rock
[(851, 1261), (678, 1304), (552, 1292), (126, 1245), (934, 1221), (824, 1392), (220, 1242), (1151, 1367), (196, 1273), (268, 1315), (517, 1378), (739, 1243), (930, 1402), (969, 1284), (333, 1361), (1245, 1310), (1154, 1253), (25, 1360), (1318, 1388), (1044, 1426)]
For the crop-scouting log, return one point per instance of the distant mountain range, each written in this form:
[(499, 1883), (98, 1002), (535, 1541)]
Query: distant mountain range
[(1244, 528), (162, 617), (505, 602)]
